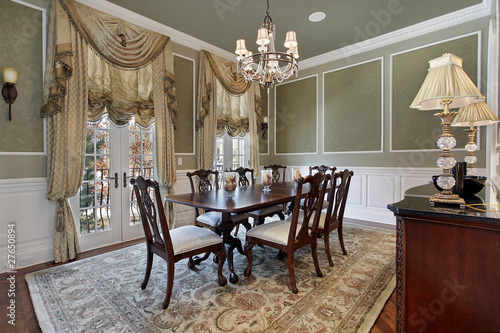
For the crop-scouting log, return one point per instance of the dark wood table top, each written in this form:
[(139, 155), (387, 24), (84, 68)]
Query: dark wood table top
[(245, 199)]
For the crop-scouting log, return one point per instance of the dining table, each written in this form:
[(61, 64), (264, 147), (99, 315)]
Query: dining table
[(243, 200)]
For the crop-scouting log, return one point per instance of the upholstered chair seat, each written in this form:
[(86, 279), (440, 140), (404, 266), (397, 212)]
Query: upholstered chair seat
[(213, 218), (188, 238), (275, 231)]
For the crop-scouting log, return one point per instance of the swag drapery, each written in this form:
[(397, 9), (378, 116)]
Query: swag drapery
[(120, 46), (226, 103)]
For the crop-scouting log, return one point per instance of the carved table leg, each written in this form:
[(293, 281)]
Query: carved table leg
[(226, 226)]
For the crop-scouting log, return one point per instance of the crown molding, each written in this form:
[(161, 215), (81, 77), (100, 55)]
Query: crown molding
[(142, 21), (468, 14)]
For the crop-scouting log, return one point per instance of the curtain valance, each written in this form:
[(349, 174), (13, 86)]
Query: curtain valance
[(226, 103), (122, 94), (119, 44)]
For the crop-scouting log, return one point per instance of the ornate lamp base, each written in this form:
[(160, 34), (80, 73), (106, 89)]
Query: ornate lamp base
[(447, 199)]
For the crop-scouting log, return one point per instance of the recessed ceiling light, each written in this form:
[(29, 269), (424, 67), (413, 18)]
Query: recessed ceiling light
[(316, 17)]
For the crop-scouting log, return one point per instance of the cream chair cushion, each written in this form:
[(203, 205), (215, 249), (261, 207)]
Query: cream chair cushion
[(188, 238), (213, 218), (322, 218), (266, 211), (276, 231)]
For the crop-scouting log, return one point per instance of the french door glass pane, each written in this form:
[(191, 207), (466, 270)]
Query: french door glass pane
[(94, 192), (141, 162)]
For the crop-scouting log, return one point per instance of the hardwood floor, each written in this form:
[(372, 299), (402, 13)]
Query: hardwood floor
[(26, 321)]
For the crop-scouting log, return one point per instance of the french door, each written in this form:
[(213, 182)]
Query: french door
[(105, 208)]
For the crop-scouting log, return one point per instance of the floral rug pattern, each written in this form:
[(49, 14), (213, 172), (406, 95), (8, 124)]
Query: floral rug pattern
[(103, 294)]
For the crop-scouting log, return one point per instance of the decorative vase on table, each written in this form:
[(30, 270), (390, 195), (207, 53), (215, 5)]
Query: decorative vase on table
[(267, 179), (230, 181)]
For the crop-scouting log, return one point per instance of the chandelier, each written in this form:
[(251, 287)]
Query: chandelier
[(268, 66)]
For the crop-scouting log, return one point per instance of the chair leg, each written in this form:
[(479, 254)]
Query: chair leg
[(314, 251), (170, 283), (191, 263), (149, 264), (197, 260), (291, 272), (281, 255), (257, 222), (236, 230), (341, 239), (248, 253), (221, 254), (326, 236)]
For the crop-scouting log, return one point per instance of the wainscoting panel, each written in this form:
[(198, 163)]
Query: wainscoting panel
[(384, 186), (23, 203), (355, 196)]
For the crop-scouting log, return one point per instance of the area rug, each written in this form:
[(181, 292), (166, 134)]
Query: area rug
[(103, 294)]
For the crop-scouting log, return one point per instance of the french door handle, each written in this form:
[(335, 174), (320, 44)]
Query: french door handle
[(125, 179), (115, 178)]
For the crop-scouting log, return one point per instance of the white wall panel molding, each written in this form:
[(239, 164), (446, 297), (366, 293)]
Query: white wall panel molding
[(23, 202)]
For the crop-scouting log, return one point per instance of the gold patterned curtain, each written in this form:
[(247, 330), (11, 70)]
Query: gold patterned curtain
[(227, 103), (119, 93), (123, 48)]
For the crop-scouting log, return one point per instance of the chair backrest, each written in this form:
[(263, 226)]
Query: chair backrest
[(337, 197), (204, 183), (322, 169), (313, 203), (276, 171), (242, 176), (153, 217)]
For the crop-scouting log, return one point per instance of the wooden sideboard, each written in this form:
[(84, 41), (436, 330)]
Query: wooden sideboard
[(448, 266)]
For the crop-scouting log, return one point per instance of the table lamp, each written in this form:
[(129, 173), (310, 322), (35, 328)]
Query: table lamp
[(477, 114), (446, 86)]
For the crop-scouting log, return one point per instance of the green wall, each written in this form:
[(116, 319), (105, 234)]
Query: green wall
[(296, 112), (353, 108), (406, 143), (22, 139)]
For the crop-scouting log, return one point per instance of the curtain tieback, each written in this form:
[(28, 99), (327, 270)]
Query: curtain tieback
[(59, 225)]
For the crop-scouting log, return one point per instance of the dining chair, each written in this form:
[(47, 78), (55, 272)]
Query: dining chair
[(288, 236), (321, 169), (243, 180), (171, 245), (259, 216), (210, 219), (334, 216)]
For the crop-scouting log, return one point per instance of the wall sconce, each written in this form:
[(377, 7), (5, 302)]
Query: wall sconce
[(264, 126), (9, 91)]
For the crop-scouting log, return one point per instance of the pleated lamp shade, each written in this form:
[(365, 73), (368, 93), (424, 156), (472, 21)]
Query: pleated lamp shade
[(479, 114), (446, 80)]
